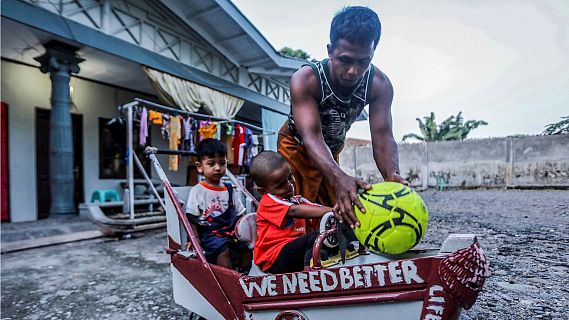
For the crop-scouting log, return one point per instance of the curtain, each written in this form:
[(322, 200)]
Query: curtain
[(272, 121), (190, 96)]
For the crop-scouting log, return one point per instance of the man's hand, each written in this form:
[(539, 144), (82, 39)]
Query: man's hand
[(346, 197), (395, 177)]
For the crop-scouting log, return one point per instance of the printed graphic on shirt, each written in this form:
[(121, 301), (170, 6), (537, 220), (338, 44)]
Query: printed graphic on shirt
[(208, 202)]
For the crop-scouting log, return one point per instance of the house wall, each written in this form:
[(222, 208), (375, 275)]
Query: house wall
[(24, 88), (533, 161)]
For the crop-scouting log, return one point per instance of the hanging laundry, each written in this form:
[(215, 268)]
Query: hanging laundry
[(217, 133), (229, 129), (238, 139), (165, 129), (155, 117), (175, 135), (188, 125), (228, 139), (194, 135), (207, 129), (248, 155), (255, 145), (241, 154), (143, 130)]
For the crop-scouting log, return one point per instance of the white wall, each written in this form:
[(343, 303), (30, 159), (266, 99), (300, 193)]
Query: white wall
[(532, 161), (24, 88)]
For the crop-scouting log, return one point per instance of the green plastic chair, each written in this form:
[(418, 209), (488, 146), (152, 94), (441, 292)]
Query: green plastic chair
[(105, 195)]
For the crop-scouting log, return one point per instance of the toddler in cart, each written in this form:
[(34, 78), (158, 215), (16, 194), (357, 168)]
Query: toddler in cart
[(213, 209), (282, 243)]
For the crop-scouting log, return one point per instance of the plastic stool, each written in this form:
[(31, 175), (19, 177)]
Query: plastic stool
[(105, 195)]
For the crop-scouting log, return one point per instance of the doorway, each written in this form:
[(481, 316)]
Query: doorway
[(42, 160)]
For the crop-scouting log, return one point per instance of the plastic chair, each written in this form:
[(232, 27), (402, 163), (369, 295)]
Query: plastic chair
[(105, 195), (441, 183)]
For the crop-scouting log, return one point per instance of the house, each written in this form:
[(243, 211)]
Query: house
[(68, 65)]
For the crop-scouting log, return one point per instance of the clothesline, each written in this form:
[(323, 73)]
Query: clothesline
[(182, 132), (129, 108), (173, 111)]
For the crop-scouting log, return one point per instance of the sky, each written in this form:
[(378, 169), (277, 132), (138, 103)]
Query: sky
[(505, 62)]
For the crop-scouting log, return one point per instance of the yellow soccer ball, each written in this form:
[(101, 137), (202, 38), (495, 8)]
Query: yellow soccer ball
[(395, 219)]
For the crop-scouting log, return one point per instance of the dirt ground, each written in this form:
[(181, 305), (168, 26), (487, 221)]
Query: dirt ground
[(524, 233)]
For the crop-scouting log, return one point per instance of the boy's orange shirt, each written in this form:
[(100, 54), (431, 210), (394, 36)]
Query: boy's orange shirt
[(275, 229)]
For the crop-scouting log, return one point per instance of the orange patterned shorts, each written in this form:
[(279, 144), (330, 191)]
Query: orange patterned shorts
[(309, 181)]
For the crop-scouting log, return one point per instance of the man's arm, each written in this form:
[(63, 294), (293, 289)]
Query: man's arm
[(383, 144), (304, 93)]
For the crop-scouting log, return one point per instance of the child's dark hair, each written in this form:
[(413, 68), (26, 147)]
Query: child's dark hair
[(263, 164), (211, 148), (357, 25)]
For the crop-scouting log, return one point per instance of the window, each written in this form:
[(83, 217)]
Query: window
[(112, 150)]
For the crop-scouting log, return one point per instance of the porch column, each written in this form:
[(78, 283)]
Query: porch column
[(60, 60)]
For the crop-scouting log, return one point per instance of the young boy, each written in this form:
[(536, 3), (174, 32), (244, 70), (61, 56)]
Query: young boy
[(213, 208), (282, 244)]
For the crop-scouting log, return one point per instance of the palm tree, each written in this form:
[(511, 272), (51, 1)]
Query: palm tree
[(453, 128), (557, 128)]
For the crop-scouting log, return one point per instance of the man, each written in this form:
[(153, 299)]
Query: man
[(326, 98)]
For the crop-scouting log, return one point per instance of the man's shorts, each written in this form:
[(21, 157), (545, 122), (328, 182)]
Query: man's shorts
[(308, 179)]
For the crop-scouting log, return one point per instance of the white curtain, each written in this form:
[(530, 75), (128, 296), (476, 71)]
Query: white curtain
[(191, 96), (272, 121)]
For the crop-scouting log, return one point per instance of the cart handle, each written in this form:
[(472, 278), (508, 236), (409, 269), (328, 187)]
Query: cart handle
[(316, 262), (151, 154)]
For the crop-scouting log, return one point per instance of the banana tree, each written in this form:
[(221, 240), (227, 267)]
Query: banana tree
[(560, 127), (453, 128)]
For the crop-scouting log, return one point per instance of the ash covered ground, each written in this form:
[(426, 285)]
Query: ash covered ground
[(525, 235)]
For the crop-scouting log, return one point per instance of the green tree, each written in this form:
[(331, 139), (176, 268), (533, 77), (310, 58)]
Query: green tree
[(298, 53), (453, 128), (560, 127)]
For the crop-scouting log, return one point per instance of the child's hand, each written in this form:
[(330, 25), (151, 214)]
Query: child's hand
[(328, 209)]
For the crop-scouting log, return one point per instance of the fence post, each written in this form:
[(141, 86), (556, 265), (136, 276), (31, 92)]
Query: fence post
[(426, 166), (509, 163)]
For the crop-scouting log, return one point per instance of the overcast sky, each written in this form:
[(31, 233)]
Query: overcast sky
[(506, 62)]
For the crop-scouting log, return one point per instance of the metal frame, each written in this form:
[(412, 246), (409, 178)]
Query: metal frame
[(131, 157)]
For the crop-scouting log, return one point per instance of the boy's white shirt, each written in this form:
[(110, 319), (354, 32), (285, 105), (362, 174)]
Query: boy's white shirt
[(203, 202)]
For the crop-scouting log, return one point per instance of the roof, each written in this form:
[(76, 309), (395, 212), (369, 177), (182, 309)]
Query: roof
[(26, 26), (222, 24)]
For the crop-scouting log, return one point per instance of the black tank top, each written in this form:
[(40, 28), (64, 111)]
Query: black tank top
[(337, 112)]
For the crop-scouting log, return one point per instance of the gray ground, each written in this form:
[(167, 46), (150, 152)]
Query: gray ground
[(525, 235)]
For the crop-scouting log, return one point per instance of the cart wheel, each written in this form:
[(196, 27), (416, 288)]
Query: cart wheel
[(328, 222)]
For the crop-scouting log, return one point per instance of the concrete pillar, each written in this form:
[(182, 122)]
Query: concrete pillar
[(60, 60)]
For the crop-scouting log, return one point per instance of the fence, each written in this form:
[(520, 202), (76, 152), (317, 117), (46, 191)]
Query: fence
[(531, 161)]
